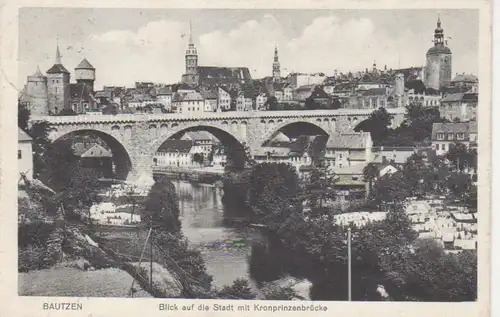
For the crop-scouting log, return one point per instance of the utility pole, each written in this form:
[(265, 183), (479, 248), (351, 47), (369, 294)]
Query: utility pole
[(151, 257), (349, 263)]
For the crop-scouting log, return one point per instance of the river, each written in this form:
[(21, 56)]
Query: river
[(225, 248)]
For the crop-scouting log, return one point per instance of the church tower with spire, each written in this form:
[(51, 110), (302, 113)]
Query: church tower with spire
[(36, 94), (191, 54), (276, 66), (58, 87), (438, 61)]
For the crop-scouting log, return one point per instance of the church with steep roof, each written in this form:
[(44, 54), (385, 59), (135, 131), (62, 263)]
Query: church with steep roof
[(211, 77), (53, 94)]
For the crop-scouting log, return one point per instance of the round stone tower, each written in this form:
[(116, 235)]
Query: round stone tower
[(85, 74), (399, 83), (438, 66), (36, 93)]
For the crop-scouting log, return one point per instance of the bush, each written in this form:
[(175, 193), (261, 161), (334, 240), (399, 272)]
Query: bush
[(33, 257), (34, 233)]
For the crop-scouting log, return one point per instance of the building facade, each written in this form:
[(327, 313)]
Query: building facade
[(24, 153), (446, 134)]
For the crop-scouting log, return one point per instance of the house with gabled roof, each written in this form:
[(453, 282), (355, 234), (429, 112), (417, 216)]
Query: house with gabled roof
[(174, 153), (94, 156), (446, 134), (348, 149)]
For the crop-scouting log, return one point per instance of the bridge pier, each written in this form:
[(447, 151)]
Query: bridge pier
[(141, 172)]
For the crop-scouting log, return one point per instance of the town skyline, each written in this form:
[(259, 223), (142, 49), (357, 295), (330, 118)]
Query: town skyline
[(156, 40)]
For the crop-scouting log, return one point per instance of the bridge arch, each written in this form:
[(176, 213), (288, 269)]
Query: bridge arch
[(121, 156), (231, 139), (294, 129)]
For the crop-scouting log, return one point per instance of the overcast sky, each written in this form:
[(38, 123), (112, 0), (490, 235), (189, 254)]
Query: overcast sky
[(128, 45)]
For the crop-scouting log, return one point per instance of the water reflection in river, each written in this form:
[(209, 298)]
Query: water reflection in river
[(225, 249)]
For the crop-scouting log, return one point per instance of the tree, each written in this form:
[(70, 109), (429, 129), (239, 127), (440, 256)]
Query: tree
[(23, 117), (238, 290), (81, 191), (131, 198), (311, 104), (320, 188), (419, 120), (391, 188), (273, 189), (236, 157), (198, 158), (272, 104), (459, 184), (460, 157), (370, 173), (39, 132), (67, 112), (377, 124), (162, 206), (416, 173)]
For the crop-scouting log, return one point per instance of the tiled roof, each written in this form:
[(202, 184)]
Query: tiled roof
[(305, 88), (80, 90), (22, 136), (450, 127), (199, 135), (393, 148), (190, 96), (458, 127), (181, 146), (465, 77), (103, 94), (208, 94), (314, 145), (164, 91), (57, 69), (348, 141), (375, 92), (356, 169), (280, 137), (398, 157), (453, 97), (97, 151), (84, 64), (470, 97), (213, 75), (272, 151), (319, 93)]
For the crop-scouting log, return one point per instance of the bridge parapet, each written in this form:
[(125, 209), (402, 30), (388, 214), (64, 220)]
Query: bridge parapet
[(209, 116)]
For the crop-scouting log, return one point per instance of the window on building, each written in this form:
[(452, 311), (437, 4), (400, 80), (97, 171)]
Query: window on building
[(450, 136), (19, 154), (440, 136), (444, 147), (460, 136), (55, 89)]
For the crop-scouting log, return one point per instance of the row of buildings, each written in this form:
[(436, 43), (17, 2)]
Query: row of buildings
[(345, 154), (216, 89)]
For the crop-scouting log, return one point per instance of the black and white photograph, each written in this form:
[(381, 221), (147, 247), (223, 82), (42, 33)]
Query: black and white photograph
[(248, 154)]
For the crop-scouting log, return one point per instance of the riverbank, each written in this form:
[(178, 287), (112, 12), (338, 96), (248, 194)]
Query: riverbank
[(207, 175)]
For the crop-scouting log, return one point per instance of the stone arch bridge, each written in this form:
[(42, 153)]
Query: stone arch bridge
[(135, 138)]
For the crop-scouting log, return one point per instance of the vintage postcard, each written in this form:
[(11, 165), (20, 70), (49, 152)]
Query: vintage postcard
[(215, 158)]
